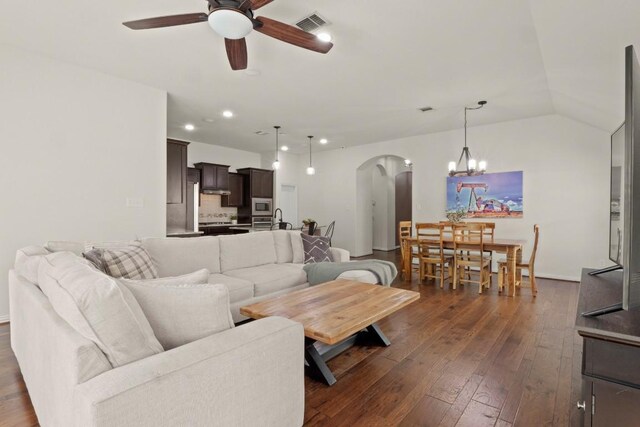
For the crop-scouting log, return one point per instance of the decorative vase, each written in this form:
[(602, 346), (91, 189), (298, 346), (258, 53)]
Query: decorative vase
[(234, 221)]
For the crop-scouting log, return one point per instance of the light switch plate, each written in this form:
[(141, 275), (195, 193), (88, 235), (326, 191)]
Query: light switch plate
[(134, 202)]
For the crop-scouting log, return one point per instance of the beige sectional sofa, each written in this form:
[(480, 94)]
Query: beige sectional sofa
[(249, 375), (253, 266)]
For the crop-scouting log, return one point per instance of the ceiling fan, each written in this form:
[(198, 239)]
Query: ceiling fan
[(233, 20)]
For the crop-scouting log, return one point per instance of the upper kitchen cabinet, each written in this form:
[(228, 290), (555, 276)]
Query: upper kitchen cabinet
[(214, 178), (236, 198), (260, 182), (176, 171)]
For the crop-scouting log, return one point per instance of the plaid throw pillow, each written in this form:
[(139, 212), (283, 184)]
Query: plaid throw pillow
[(131, 262), (316, 249)]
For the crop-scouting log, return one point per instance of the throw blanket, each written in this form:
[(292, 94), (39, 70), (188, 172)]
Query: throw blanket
[(322, 272)]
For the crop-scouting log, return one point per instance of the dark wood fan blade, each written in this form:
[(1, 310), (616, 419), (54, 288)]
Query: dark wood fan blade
[(166, 21), (237, 53), (290, 34), (253, 4)]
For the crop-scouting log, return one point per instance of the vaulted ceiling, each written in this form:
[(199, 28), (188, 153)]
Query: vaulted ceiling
[(526, 57)]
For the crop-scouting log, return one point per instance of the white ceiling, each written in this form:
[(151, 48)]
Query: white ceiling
[(527, 58)]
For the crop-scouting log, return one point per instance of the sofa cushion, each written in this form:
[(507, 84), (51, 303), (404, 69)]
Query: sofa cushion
[(181, 311), (316, 249), (177, 256), (27, 262), (131, 262), (247, 250), (239, 290), (95, 306), (284, 250), (296, 246), (270, 278)]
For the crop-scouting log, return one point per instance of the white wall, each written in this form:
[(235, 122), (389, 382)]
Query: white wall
[(209, 153), (566, 185), (76, 144)]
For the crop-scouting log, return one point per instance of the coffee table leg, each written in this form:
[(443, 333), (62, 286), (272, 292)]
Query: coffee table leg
[(377, 335), (317, 364)]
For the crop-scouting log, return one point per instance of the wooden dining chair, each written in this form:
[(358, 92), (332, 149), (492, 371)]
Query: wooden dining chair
[(329, 232), (530, 266), (468, 247), (488, 234), (433, 261), (405, 231)]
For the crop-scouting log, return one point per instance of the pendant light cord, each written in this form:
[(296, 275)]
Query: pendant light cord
[(277, 146), (310, 138)]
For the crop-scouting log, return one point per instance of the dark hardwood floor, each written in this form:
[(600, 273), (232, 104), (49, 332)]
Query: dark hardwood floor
[(461, 359), (456, 359)]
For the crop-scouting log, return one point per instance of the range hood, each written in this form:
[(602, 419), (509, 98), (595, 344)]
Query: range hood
[(219, 192)]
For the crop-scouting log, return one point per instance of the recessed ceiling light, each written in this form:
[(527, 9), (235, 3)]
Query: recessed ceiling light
[(323, 141), (227, 114), (325, 37), (189, 127), (284, 148)]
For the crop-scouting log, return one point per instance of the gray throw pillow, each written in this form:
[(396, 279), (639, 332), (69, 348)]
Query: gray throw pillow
[(316, 249), (131, 262)]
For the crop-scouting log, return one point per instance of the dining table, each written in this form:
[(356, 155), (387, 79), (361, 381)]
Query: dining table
[(512, 248)]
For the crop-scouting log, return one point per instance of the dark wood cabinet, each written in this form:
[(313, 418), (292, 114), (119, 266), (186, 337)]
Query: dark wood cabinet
[(213, 177), (259, 182), (610, 355), (176, 186), (236, 198), (193, 175), (176, 171)]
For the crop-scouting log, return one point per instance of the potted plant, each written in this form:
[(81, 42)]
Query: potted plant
[(457, 216), (233, 218)]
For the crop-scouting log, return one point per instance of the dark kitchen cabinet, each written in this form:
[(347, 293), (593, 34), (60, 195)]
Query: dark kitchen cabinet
[(262, 183), (193, 175), (213, 177), (236, 197), (176, 171), (177, 195), (259, 182)]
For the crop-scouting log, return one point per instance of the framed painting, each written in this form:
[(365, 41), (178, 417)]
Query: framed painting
[(492, 195)]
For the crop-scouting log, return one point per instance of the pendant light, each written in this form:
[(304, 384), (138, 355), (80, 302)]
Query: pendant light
[(310, 170), (472, 168), (276, 163)]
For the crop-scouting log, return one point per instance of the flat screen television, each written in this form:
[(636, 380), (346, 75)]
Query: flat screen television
[(624, 240)]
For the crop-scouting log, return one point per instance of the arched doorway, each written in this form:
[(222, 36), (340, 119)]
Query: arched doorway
[(383, 194)]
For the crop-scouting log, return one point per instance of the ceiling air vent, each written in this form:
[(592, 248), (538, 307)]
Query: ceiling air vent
[(312, 22), (261, 133), (425, 109)]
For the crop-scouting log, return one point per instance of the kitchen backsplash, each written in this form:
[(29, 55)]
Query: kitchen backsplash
[(211, 209)]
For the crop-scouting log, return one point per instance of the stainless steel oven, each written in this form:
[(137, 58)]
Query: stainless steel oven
[(261, 207), (262, 222)]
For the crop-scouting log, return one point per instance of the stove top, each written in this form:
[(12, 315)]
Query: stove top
[(216, 223)]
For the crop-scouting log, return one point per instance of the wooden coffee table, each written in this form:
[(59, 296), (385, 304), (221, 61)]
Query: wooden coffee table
[(335, 315)]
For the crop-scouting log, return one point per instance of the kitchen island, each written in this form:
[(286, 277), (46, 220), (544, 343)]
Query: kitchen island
[(248, 229)]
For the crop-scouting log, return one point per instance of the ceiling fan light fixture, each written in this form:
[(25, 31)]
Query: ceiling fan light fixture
[(230, 23)]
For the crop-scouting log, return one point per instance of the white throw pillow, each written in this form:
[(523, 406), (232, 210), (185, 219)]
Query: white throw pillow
[(28, 260), (182, 309), (95, 306)]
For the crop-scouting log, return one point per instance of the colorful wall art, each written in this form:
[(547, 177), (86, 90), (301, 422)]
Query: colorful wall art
[(492, 195)]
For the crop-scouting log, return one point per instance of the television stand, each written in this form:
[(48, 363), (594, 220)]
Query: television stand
[(610, 386)]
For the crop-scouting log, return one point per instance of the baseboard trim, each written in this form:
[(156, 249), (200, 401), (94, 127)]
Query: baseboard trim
[(4, 319)]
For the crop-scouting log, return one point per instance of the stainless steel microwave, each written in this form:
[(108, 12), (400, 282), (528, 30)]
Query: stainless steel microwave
[(261, 207)]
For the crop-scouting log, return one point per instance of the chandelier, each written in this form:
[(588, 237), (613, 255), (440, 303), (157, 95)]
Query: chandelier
[(472, 168)]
